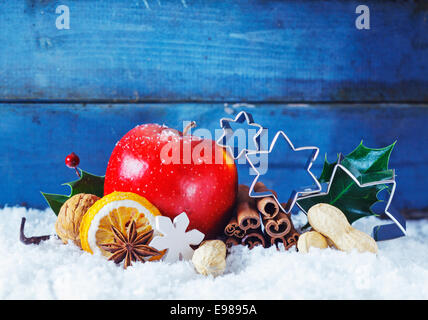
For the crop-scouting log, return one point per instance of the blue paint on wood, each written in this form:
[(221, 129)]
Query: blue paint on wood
[(214, 51), (36, 139)]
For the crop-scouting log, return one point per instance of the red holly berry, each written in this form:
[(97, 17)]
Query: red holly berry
[(72, 160)]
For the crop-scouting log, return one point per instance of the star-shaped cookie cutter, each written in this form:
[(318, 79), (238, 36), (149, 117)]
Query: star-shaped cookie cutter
[(228, 133), (291, 202), (381, 232)]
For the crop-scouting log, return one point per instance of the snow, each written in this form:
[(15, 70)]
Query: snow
[(56, 271)]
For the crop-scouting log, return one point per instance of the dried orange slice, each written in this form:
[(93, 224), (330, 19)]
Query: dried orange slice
[(116, 209)]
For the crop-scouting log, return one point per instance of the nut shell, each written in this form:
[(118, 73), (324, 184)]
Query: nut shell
[(71, 214), (333, 224), (311, 239), (210, 258)]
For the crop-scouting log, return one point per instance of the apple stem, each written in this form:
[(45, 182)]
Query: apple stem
[(188, 127)]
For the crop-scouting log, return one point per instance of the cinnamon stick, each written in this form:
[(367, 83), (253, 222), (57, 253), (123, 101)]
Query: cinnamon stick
[(253, 239), (279, 226), (293, 235), (284, 241), (289, 239), (267, 206), (30, 240), (292, 238), (232, 229), (232, 241), (247, 215)]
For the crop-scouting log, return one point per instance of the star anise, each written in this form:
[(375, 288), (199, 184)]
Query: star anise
[(130, 247)]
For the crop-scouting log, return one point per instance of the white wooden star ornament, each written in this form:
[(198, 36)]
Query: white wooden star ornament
[(175, 238)]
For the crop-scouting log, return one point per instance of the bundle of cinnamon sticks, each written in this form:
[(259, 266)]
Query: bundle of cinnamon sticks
[(259, 221)]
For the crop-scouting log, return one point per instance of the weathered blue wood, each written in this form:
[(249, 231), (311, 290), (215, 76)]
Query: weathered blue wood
[(225, 50), (36, 138)]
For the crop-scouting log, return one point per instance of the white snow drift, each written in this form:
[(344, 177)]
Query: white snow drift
[(56, 271)]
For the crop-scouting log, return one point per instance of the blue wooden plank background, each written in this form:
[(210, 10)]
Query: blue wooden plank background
[(302, 66), (38, 137), (228, 50)]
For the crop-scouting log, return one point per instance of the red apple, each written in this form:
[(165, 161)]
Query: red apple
[(177, 173)]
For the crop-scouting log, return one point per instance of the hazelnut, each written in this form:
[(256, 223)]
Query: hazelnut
[(210, 258), (71, 214)]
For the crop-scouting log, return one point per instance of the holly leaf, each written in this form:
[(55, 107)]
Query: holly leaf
[(327, 170), (55, 201), (354, 201), (367, 165), (87, 183), (360, 161)]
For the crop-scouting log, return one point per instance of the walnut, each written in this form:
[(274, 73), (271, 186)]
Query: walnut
[(210, 258), (71, 214)]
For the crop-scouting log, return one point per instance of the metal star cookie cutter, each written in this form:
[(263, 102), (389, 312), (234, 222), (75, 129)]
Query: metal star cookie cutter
[(228, 133), (292, 200), (381, 232)]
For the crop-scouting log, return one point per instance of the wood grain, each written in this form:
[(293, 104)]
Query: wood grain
[(37, 137), (214, 51)]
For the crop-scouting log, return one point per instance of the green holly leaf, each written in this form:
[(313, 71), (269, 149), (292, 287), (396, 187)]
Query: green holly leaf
[(55, 201), (354, 201), (360, 161), (327, 170), (87, 183), (367, 165)]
